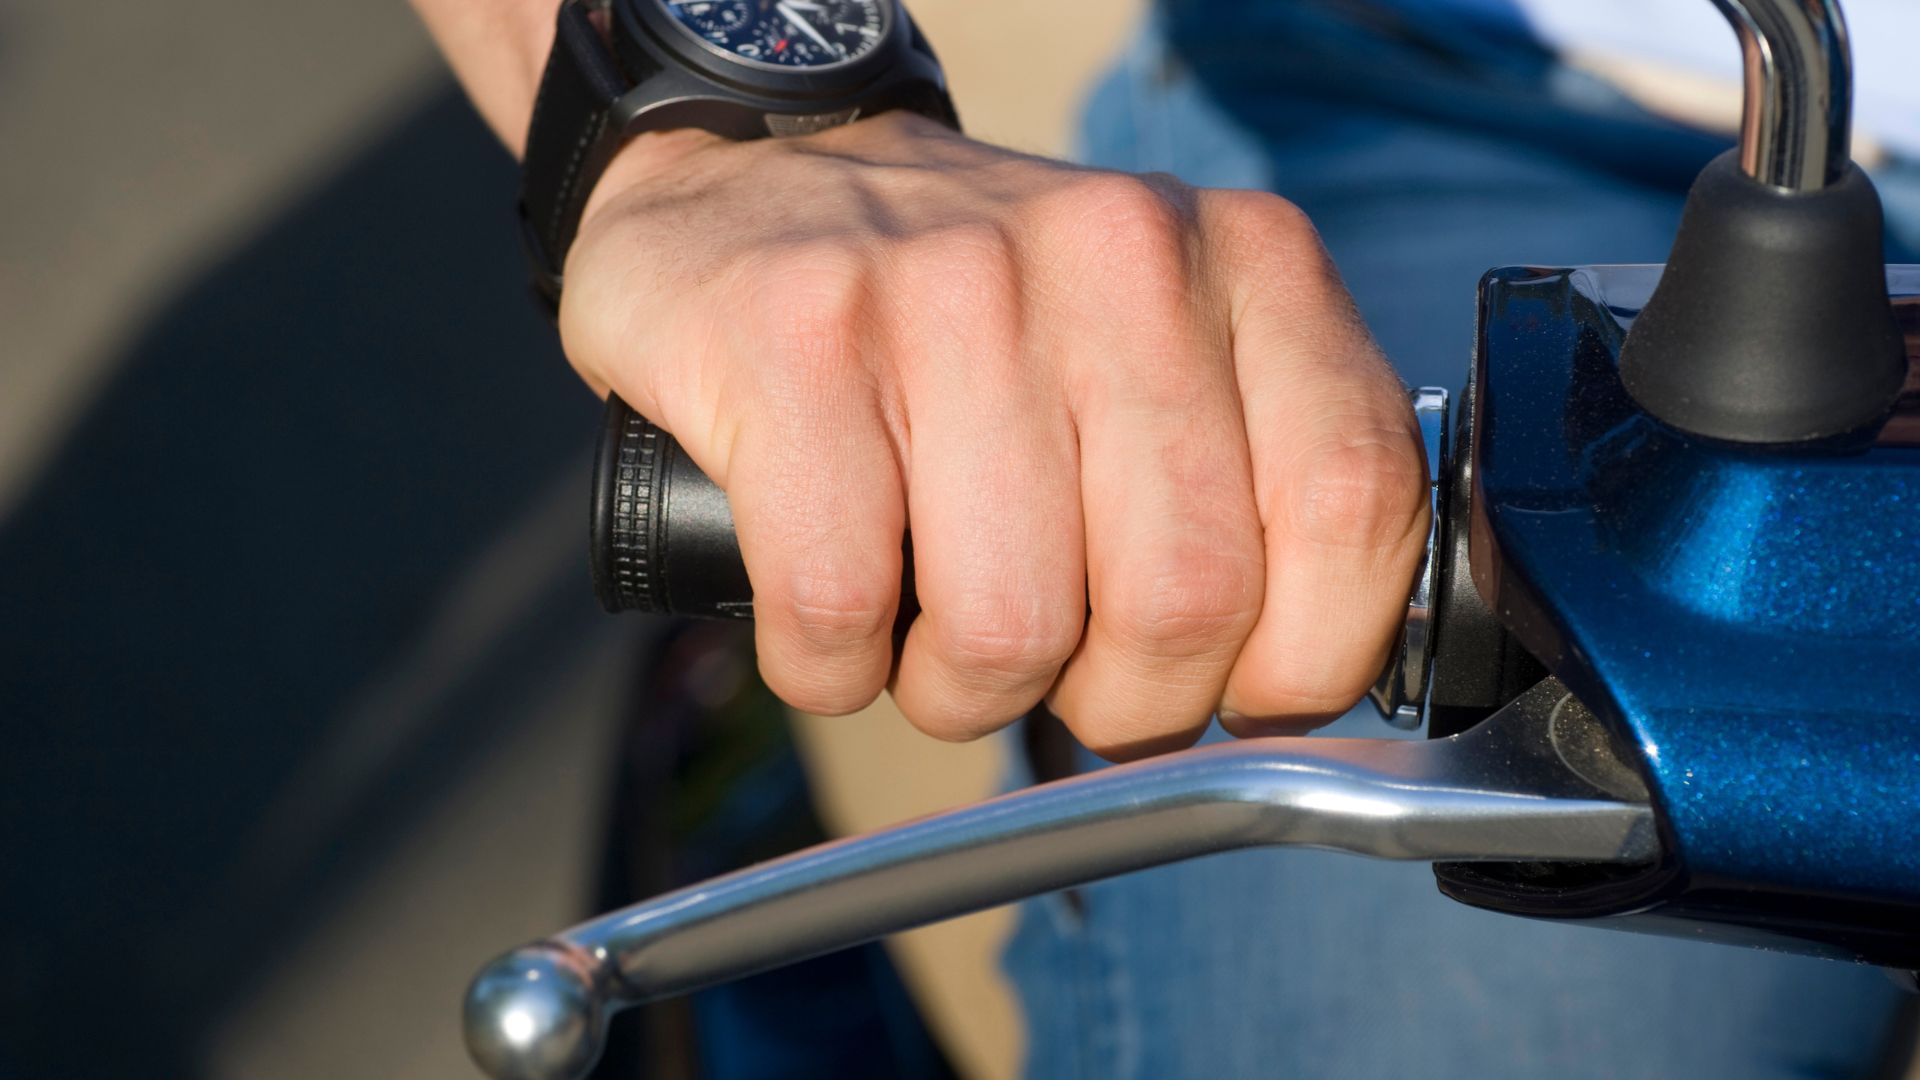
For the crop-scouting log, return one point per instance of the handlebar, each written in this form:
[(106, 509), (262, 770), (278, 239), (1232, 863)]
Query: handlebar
[(662, 533), (662, 542)]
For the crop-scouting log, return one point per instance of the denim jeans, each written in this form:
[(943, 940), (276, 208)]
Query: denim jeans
[(1425, 158)]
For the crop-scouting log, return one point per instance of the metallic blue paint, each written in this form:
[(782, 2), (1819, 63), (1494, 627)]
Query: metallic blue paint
[(1748, 618)]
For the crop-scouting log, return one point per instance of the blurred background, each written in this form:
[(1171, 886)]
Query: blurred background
[(307, 707)]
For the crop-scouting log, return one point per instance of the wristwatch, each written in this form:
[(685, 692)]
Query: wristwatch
[(745, 69)]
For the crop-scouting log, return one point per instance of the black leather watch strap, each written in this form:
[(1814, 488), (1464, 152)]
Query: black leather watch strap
[(570, 141), (590, 96)]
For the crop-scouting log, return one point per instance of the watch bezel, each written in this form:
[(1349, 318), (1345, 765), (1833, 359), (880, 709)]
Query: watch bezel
[(659, 26)]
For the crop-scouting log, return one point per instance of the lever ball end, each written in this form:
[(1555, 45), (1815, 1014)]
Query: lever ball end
[(537, 1013)]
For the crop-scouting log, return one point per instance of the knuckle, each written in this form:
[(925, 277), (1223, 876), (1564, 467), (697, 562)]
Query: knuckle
[(1263, 215), (822, 265), (1191, 604), (805, 305), (832, 614), (1130, 223), (964, 274), (1359, 493), (972, 252), (983, 643), (1276, 243)]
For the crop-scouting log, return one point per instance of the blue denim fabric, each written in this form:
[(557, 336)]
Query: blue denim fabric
[(1423, 164)]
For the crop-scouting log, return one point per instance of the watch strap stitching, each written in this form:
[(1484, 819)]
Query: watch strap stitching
[(560, 231), (568, 130)]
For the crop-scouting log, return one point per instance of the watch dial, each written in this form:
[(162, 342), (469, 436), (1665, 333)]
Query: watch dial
[(790, 33)]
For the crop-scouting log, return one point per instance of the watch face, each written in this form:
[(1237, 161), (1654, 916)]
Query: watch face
[(786, 33)]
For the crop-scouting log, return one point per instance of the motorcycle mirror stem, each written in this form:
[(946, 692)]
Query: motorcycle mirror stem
[(1772, 323)]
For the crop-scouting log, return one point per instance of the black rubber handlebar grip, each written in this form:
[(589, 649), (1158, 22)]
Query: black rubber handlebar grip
[(662, 532), (663, 538)]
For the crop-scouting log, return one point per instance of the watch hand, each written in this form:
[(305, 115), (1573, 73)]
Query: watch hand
[(800, 23)]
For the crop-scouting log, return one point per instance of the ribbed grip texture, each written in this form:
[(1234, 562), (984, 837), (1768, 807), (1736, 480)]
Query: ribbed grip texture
[(629, 484), (662, 532)]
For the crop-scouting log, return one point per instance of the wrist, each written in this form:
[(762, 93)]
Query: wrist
[(654, 157), (648, 159), (623, 106)]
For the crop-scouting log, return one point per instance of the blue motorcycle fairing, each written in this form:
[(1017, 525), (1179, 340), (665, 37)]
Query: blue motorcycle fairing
[(1748, 618)]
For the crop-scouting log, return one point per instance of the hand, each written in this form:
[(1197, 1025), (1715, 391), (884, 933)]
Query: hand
[(1080, 387)]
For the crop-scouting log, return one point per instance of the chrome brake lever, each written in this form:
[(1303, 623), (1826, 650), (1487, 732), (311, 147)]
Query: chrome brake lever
[(1540, 780)]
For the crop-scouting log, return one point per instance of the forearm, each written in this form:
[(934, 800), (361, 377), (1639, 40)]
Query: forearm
[(497, 49)]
